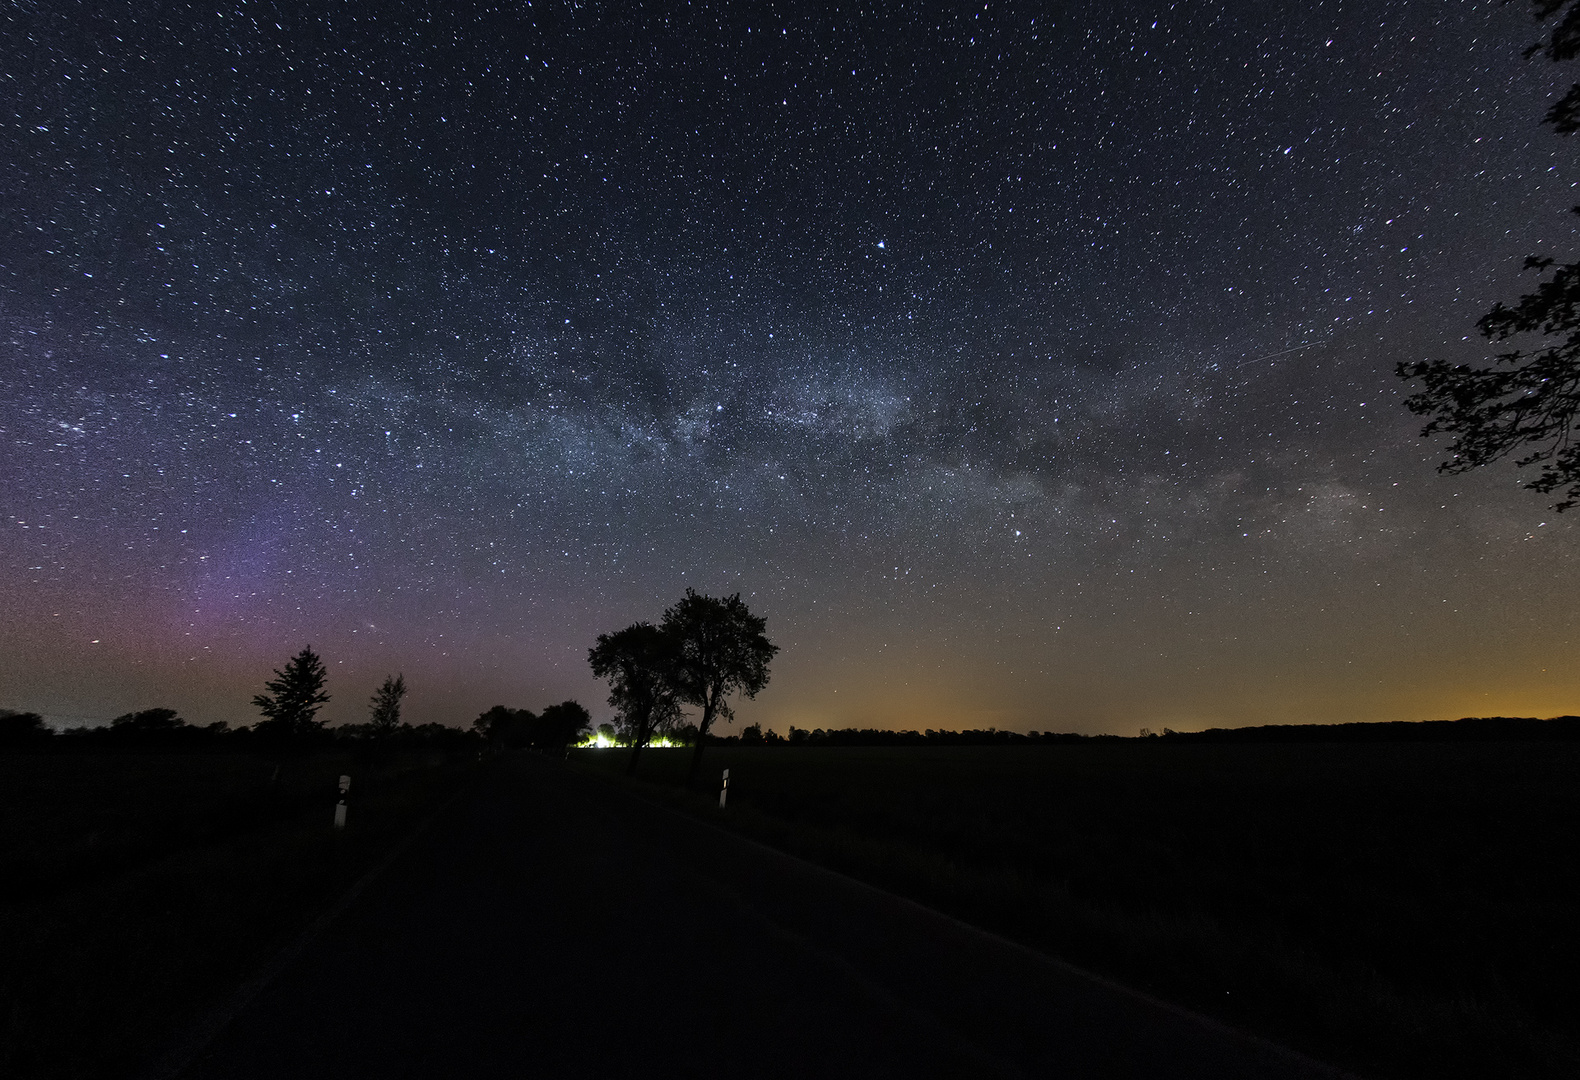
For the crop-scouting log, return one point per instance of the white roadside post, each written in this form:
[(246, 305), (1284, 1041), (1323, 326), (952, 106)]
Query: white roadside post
[(340, 807), (725, 790)]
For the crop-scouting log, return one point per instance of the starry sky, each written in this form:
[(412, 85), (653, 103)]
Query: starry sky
[(1025, 365)]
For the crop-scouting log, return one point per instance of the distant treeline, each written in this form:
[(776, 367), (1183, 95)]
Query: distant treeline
[(522, 729), (565, 723), (163, 728), (1469, 729), (498, 728)]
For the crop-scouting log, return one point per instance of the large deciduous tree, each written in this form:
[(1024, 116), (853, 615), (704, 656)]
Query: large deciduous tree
[(560, 725), (639, 664), (721, 650), (296, 693), (1527, 402), (510, 728)]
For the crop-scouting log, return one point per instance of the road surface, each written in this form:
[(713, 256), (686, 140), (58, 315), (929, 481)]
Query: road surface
[(551, 925)]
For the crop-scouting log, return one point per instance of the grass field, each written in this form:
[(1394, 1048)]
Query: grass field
[(137, 889), (1402, 910)]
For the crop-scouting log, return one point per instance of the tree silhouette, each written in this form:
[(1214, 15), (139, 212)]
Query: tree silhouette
[(21, 728), (1528, 401), (384, 709), (560, 725), (149, 727), (295, 695), (1562, 43), (639, 665), (721, 651), (511, 728)]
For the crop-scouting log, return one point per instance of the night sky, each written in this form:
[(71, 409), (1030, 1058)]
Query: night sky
[(1026, 366)]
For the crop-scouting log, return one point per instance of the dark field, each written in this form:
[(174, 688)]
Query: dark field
[(1407, 910), (137, 889)]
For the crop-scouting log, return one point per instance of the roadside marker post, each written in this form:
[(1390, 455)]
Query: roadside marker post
[(340, 807), (725, 790)]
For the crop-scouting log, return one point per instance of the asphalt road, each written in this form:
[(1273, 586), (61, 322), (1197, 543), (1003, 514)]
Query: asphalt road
[(554, 926)]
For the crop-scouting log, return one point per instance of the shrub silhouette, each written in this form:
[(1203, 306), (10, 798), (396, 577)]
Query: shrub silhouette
[(22, 728)]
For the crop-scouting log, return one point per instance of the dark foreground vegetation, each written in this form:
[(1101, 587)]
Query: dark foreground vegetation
[(1404, 909), (145, 874)]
